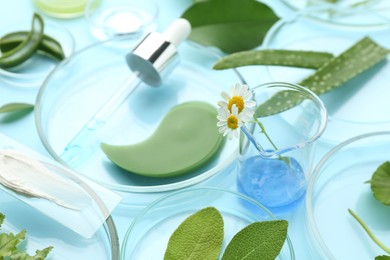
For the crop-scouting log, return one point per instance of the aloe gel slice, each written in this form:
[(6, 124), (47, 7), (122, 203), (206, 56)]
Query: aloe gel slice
[(27, 47), (48, 45), (186, 138)]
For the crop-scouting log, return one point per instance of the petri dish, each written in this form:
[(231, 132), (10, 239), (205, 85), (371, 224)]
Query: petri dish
[(109, 18), (347, 13), (42, 230), (357, 107), (92, 76), (336, 185), (32, 72), (154, 225)]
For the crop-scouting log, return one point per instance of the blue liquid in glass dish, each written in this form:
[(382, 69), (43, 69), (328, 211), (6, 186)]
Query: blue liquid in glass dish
[(278, 185)]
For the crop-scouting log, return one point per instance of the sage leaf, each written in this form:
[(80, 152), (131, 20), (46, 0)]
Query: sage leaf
[(15, 107), (380, 183), (357, 59), (230, 25), (382, 257), (8, 242), (288, 58), (199, 236), (260, 240)]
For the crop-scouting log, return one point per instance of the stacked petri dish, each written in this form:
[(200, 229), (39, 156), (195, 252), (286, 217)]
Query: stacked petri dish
[(338, 183)]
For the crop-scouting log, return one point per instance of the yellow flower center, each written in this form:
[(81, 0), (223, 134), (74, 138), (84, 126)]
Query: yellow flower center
[(238, 101), (232, 122)]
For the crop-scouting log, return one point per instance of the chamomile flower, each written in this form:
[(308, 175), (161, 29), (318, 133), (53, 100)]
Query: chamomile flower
[(240, 96), (229, 122)]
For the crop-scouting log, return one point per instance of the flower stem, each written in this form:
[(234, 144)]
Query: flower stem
[(369, 232), (265, 133)]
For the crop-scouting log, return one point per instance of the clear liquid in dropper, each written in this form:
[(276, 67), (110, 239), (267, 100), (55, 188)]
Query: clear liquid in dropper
[(85, 142)]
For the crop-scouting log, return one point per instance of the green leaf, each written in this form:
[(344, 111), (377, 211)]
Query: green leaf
[(380, 183), (230, 25), (200, 236), (289, 58), (357, 59), (15, 107), (39, 255), (382, 257), (8, 242), (260, 240), (2, 217)]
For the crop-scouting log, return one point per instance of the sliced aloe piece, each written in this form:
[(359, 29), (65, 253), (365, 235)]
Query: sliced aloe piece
[(27, 47), (48, 46), (352, 62), (289, 58)]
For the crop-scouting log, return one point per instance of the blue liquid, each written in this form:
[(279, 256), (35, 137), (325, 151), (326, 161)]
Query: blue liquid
[(277, 185)]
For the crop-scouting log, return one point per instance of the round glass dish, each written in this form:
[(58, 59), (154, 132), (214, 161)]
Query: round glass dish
[(32, 72), (350, 13), (153, 226), (360, 105), (92, 76), (337, 184), (44, 231), (109, 18)]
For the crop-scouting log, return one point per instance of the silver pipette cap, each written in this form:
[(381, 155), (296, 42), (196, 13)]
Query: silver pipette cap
[(156, 55)]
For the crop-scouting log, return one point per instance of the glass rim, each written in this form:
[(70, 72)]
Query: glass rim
[(306, 12), (315, 99)]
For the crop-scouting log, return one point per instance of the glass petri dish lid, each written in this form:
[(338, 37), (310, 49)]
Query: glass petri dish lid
[(77, 88), (32, 72), (154, 225), (338, 184), (357, 107), (69, 241), (347, 13), (108, 18)]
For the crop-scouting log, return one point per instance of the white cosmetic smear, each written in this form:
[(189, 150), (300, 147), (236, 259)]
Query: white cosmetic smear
[(30, 177)]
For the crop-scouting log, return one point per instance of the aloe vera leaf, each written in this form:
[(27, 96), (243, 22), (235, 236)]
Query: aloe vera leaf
[(289, 58), (48, 46), (352, 62), (27, 48)]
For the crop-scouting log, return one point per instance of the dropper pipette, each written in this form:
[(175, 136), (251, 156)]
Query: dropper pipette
[(150, 61)]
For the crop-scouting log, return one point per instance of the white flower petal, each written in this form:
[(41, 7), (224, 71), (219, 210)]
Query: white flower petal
[(225, 95), (250, 104), (222, 104), (236, 134), (221, 123), (234, 110)]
